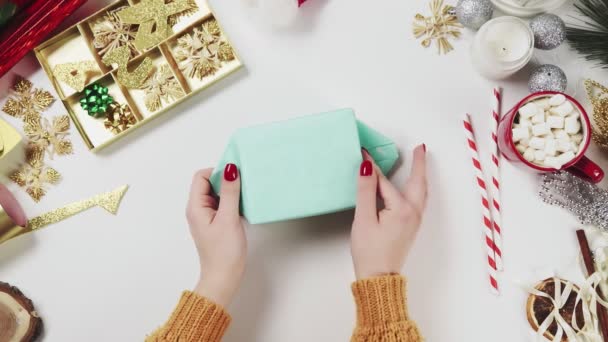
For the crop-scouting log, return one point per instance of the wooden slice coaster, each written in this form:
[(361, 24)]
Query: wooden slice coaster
[(538, 308), (19, 321)]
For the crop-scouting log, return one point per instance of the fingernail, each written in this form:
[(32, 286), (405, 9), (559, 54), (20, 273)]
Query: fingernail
[(424, 147), (366, 168), (231, 172)]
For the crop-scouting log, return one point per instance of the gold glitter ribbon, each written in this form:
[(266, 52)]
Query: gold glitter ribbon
[(110, 201)]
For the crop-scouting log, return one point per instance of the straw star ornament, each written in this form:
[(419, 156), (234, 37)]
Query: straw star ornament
[(27, 102), (34, 175), (161, 87), (440, 26), (50, 136)]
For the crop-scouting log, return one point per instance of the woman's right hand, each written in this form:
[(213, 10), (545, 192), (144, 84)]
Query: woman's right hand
[(381, 239)]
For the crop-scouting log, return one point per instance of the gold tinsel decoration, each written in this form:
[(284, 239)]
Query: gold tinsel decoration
[(161, 86), (27, 102), (49, 136), (202, 52), (598, 95), (119, 119), (111, 33), (440, 26), (34, 175)]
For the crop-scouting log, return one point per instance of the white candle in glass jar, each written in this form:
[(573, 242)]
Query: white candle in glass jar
[(502, 46)]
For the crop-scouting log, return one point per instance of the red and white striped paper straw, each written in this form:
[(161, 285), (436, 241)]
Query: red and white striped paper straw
[(485, 204), (495, 172)]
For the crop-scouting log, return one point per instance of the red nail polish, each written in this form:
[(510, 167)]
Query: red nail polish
[(424, 147), (366, 168), (231, 172)]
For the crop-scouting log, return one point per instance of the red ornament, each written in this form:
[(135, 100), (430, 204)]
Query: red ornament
[(30, 27)]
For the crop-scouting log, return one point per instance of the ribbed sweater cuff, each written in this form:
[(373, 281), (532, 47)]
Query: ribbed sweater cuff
[(196, 319), (380, 300)]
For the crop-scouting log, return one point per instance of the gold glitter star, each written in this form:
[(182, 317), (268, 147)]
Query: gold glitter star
[(202, 52), (49, 137), (34, 175), (27, 103), (161, 87), (441, 25)]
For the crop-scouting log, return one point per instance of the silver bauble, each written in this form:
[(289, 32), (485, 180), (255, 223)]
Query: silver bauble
[(474, 13), (549, 31), (547, 77)]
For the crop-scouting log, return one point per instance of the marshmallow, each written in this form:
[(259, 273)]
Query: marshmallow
[(552, 162), (525, 142), (521, 148), (561, 134), (551, 147), (574, 147), (577, 138), (524, 122), (538, 118), (521, 133), (557, 100), (571, 125), (528, 110), (563, 109), (540, 129), (537, 143), (555, 121), (575, 114), (539, 155), (564, 146), (543, 103), (529, 154), (566, 157)]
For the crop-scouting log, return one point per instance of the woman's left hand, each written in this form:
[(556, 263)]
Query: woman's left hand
[(219, 235)]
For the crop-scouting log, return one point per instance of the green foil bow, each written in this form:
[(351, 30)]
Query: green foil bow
[(96, 100)]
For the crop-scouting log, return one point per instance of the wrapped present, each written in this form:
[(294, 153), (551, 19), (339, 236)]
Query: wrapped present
[(30, 26)]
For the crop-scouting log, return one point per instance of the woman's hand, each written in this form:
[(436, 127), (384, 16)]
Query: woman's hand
[(219, 235), (381, 239)]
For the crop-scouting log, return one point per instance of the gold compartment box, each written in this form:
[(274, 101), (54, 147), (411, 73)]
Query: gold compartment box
[(75, 44)]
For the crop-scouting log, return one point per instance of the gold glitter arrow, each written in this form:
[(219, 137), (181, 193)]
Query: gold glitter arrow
[(110, 201)]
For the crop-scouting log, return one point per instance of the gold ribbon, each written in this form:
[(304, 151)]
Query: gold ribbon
[(109, 201)]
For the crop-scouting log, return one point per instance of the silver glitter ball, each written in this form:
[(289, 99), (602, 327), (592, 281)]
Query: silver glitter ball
[(547, 77), (474, 13), (549, 31)]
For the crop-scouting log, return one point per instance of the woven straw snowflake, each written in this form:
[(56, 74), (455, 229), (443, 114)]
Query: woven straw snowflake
[(161, 87), (111, 33), (202, 52), (26, 102), (34, 175), (49, 136), (440, 26)]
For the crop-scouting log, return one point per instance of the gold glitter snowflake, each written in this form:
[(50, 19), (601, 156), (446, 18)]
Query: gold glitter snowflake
[(34, 175), (51, 137), (161, 87), (202, 52), (27, 102), (111, 33), (441, 25), (598, 95)]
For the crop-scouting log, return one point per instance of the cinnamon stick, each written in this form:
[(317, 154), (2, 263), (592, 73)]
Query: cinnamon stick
[(588, 259)]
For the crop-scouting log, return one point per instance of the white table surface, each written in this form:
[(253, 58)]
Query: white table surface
[(96, 277)]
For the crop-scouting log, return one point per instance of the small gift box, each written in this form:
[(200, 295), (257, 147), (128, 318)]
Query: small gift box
[(12, 151), (302, 167), (125, 65)]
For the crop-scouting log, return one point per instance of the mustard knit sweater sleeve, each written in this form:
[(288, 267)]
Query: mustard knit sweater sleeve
[(381, 315)]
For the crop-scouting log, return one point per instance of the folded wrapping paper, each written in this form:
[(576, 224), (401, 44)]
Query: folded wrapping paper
[(302, 167)]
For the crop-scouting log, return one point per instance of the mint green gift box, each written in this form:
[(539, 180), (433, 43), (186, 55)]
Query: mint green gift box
[(302, 167)]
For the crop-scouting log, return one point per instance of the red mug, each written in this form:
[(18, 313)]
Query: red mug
[(580, 166)]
